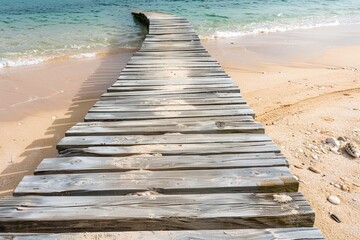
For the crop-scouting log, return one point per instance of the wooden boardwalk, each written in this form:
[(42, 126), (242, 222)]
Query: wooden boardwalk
[(171, 146)]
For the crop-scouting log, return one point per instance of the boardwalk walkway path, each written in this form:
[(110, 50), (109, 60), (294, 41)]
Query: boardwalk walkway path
[(171, 146)]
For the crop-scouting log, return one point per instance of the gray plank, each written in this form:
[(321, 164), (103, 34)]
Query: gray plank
[(175, 149), (79, 164), (165, 115), (183, 63), (128, 140), (169, 58), (131, 108), (162, 126), (154, 212), (175, 90), (238, 234), (185, 97), (257, 179), (193, 82), (175, 87), (114, 101), (173, 77)]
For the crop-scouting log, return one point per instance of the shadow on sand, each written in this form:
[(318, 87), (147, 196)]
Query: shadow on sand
[(89, 92)]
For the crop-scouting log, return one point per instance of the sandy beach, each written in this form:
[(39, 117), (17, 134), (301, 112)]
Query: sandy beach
[(40, 102), (303, 85)]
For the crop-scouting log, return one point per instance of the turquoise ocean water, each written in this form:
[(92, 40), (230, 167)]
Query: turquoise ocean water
[(34, 31)]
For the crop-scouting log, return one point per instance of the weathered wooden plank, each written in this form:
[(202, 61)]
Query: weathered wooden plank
[(171, 54), (167, 91), (163, 45), (172, 38), (185, 97), (239, 234), (175, 149), (135, 101), (172, 74), (173, 70), (173, 58), (131, 108), (257, 179), (79, 164), (175, 77), (128, 140), (243, 124), (164, 115), (156, 63), (199, 83), (167, 102), (177, 63), (169, 68), (154, 212), (180, 88)]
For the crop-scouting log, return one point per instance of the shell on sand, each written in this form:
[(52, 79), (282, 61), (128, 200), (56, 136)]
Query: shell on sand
[(352, 149), (333, 141)]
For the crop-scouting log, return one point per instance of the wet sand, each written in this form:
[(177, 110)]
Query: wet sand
[(303, 85)]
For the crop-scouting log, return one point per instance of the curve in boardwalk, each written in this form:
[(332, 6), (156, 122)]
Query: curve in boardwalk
[(171, 146)]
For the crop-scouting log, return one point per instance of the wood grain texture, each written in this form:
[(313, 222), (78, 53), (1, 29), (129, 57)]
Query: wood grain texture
[(106, 101), (194, 108), (163, 126), (193, 82), (153, 212), (259, 179), (218, 87), (167, 102), (175, 149), (238, 234), (165, 115), (80, 164), (130, 140), (184, 97), (174, 91)]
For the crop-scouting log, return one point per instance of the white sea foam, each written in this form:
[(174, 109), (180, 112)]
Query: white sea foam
[(84, 55), (265, 30), (24, 61), (21, 62)]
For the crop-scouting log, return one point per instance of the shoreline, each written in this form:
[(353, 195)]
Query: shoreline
[(350, 31), (302, 89)]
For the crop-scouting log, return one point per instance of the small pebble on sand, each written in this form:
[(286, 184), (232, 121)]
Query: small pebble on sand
[(335, 150), (298, 166), (342, 139), (334, 199), (314, 169)]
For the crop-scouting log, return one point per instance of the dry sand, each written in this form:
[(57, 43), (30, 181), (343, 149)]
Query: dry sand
[(303, 85), (305, 91)]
